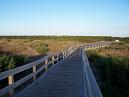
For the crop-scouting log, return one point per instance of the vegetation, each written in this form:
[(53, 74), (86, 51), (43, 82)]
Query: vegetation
[(113, 66), (112, 62), (65, 38), (21, 48), (6, 62), (42, 48)]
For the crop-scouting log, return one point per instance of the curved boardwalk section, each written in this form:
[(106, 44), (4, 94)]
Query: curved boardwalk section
[(65, 79)]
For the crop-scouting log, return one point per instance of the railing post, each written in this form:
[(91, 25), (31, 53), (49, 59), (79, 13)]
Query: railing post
[(63, 54), (68, 52), (10, 82), (53, 59), (77, 46), (57, 57), (46, 68), (34, 72), (97, 45)]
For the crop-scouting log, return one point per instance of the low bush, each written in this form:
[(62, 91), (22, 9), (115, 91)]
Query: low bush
[(42, 48), (6, 63), (19, 59)]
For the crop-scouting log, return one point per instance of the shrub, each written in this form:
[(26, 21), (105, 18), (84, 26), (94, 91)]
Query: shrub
[(19, 59), (6, 63), (93, 53), (42, 48)]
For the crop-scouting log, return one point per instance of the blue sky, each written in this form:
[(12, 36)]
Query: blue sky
[(64, 17)]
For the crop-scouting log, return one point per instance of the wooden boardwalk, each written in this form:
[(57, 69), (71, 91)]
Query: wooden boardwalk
[(71, 76), (65, 79)]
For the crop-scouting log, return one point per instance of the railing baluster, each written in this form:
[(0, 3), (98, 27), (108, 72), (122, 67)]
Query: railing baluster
[(10, 82)]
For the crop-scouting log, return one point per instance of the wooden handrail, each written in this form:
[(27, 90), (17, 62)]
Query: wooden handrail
[(10, 73), (91, 86), (60, 55)]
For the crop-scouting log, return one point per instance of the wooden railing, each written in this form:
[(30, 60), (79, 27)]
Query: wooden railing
[(90, 46), (45, 63), (91, 86)]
